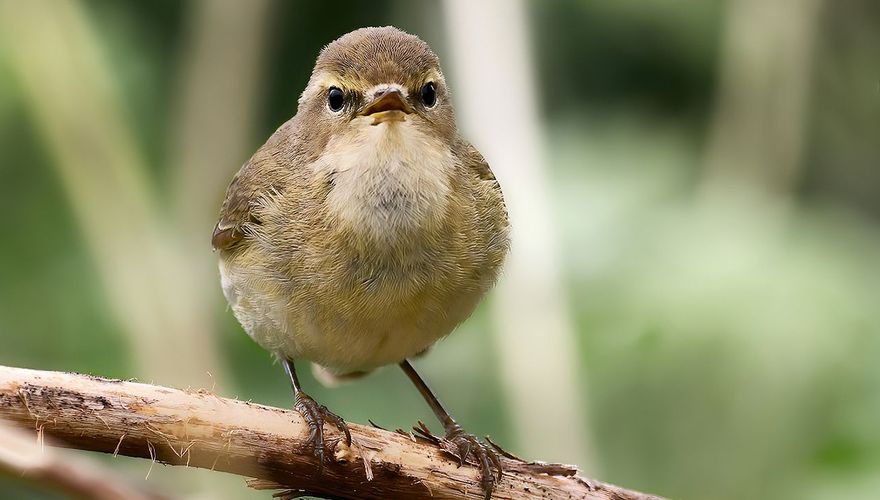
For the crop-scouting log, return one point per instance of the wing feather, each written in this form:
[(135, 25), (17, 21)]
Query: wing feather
[(237, 210)]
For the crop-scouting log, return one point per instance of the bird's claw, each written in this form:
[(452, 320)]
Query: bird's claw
[(466, 446), (315, 415)]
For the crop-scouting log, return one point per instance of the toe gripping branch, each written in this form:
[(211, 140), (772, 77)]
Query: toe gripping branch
[(315, 415), (469, 450), (469, 447)]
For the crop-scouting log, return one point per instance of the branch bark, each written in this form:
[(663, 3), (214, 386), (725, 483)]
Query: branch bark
[(24, 457), (200, 429)]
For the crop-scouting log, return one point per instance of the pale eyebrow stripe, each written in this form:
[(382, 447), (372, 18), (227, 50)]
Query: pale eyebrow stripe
[(319, 82)]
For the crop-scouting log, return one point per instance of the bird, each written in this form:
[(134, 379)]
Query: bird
[(366, 228)]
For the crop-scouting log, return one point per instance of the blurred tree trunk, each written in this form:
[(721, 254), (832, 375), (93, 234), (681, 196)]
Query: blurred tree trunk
[(494, 91), (211, 133), (758, 129)]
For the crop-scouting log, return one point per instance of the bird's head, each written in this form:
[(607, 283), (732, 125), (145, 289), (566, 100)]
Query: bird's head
[(377, 78)]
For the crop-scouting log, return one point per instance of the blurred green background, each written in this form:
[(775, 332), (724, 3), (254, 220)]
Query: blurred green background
[(713, 173)]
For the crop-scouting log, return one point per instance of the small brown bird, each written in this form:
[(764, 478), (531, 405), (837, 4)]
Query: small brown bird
[(366, 228)]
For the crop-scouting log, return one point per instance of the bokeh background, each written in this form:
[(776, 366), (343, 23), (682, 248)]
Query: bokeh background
[(693, 298)]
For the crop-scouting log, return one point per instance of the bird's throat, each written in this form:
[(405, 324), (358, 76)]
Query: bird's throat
[(392, 182)]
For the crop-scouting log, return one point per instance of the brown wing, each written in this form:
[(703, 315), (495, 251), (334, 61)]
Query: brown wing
[(259, 177), (237, 208), (492, 225), (256, 178), (476, 162)]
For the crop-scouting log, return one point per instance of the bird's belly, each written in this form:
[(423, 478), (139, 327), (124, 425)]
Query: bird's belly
[(364, 345), (347, 329)]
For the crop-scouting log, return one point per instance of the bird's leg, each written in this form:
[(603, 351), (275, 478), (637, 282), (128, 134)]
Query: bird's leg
[(465, 444), (314, 414)]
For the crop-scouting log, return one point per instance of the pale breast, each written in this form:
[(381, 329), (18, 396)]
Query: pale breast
[(389, 181)]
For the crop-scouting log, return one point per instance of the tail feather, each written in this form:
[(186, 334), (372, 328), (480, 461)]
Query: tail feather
[(329, 379)]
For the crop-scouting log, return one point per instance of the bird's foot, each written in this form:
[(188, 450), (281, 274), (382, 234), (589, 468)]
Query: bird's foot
[(315, 415), (466, 447)]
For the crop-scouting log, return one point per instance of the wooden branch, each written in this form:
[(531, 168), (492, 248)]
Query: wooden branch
[(23, 456), (199, 429)]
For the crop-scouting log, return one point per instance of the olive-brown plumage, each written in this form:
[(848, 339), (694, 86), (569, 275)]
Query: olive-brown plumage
[(366, 228)]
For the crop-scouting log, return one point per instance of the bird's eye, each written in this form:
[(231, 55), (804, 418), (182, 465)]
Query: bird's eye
[(429, 94), (335, 99)]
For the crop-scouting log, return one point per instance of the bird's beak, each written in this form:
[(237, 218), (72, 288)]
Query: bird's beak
[(388, 106)]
